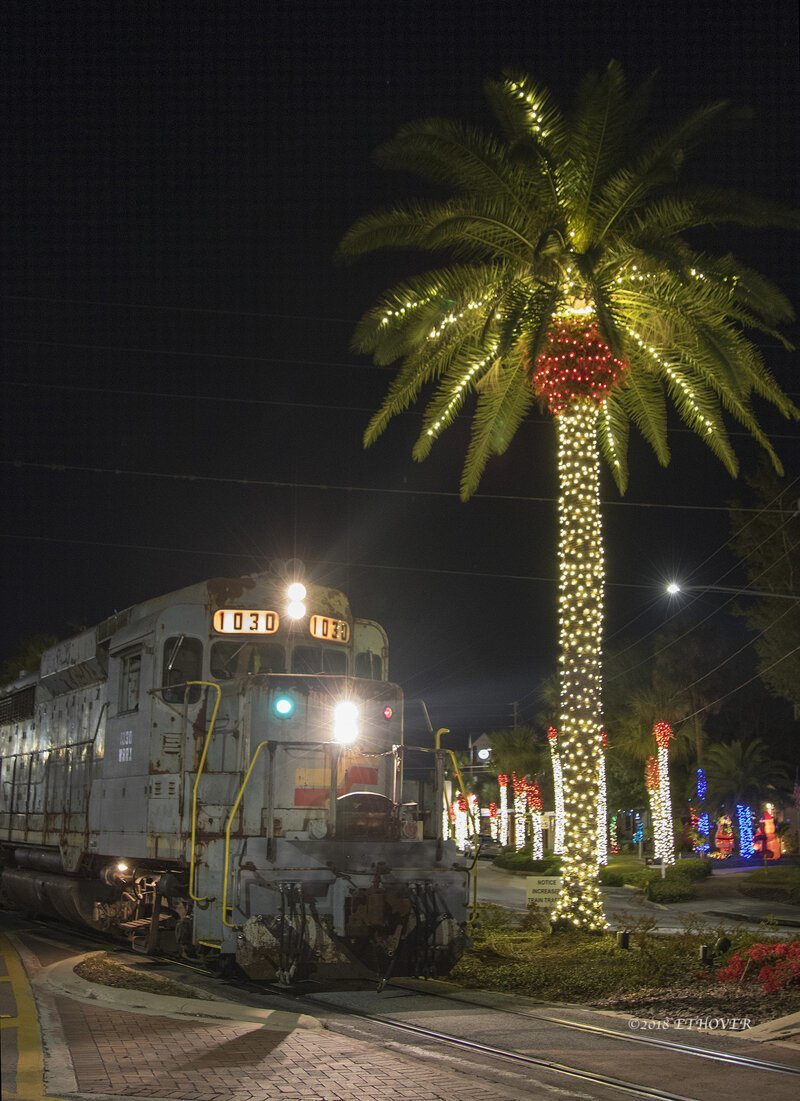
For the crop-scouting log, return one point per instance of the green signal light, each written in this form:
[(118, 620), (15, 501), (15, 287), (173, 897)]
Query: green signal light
[(283, 706)]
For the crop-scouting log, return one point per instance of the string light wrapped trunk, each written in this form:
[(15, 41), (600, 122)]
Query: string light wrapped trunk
[(602, 805), (558, 791), (461, 821), (494, 831), (520, 809), (663, 735), (703, 822), (651, 782), (744, 818), (573, 375), (534, 798), (502, 781)]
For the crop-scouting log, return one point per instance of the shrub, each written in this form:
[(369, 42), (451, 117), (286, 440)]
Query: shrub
[(693, 869), (676, 888), (522, 861), (611, 878)]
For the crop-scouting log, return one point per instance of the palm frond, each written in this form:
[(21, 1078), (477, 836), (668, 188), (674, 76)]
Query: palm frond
[(613, 437), (502, 405), (402, 226), (468, 366), (641, 398)]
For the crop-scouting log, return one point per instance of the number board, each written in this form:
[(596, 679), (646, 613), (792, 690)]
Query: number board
[(329, 629), (243, 621)]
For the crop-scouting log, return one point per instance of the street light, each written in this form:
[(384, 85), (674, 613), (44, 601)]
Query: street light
[(674, 588)]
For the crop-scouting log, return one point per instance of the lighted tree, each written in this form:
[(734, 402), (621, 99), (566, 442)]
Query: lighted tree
[(652, 782), (602, 803), (569, 281), (502, 783), (558, 789), (663, 735), (520, 785), (534, 796)]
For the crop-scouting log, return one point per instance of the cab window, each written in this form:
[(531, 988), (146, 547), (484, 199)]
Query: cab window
[(183, 661), (369, 666), (316, 659), (241, 659)]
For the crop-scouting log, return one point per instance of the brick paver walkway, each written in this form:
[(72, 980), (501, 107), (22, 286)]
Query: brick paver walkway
[(131, 1055)]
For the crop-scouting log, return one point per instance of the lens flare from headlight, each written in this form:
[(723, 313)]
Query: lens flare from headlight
[(296, 610), (345, 722), (296, 591)]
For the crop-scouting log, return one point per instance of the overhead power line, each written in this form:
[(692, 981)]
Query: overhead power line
[(248, 556), (176, 476)]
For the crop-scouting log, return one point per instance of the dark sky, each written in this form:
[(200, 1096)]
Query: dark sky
[(176, 177)]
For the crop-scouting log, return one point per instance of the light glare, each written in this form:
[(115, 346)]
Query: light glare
[(345, 722)]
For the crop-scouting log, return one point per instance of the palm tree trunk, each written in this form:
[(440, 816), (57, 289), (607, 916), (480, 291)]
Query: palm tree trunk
[(580, 554)]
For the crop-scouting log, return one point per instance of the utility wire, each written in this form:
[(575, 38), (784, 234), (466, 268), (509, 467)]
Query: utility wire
[(61, 468), (738, 688), (249, 556), (227, 400)]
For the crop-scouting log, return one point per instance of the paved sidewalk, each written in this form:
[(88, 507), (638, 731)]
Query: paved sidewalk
[(64, 1039)]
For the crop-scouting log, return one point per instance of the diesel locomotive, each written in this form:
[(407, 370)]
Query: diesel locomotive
[(218, 774)]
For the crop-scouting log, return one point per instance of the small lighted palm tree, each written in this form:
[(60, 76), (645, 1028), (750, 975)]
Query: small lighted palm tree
[(569, 282)]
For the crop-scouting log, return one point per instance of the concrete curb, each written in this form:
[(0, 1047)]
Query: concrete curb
[(782, 1028), (60, 978)]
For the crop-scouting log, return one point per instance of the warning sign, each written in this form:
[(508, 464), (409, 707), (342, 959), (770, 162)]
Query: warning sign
[(543, 890)]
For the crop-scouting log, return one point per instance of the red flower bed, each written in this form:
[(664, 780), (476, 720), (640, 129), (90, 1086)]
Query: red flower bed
[(779, 965)]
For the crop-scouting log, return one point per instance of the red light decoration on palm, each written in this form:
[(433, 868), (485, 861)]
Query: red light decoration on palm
[(576, 364)]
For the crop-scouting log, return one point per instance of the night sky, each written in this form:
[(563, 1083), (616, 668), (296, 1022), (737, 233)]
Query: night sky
[(179, 397)]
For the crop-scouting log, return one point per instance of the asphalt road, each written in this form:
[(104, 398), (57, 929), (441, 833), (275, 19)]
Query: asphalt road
[(718, 899)]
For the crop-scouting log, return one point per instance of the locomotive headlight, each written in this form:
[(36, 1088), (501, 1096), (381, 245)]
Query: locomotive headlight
[(296, 593), (345, 722)]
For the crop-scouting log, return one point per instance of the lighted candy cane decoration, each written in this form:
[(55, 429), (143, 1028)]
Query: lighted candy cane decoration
[(520, 808), (651, 783), (612, 833), (558, 787), (535, 809), (502, 781), (493, 824), (602, 804), (461, 820), (663, 734)]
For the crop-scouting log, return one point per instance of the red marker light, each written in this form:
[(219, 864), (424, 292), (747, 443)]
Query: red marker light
[(387, 712)]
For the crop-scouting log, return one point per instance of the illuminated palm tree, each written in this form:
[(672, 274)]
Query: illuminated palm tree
[(569, 282), (744, 772)]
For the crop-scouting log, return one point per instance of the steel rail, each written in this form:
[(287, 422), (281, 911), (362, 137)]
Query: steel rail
[(518, 1057), (625, 1037)]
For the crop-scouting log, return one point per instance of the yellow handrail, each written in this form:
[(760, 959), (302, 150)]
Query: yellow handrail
[(228, 825), (200, 767), (463, 790)]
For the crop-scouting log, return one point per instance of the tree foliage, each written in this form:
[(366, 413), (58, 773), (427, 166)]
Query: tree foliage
[(743, 771), (566, 209), (768, 542)]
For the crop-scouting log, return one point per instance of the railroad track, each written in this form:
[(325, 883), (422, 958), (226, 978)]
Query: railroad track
[(579, 1075), (507, 1062)]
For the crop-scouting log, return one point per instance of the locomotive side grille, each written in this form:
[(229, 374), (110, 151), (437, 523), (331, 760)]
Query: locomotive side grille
[(18, 705), (163, 789), (171, 743)]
